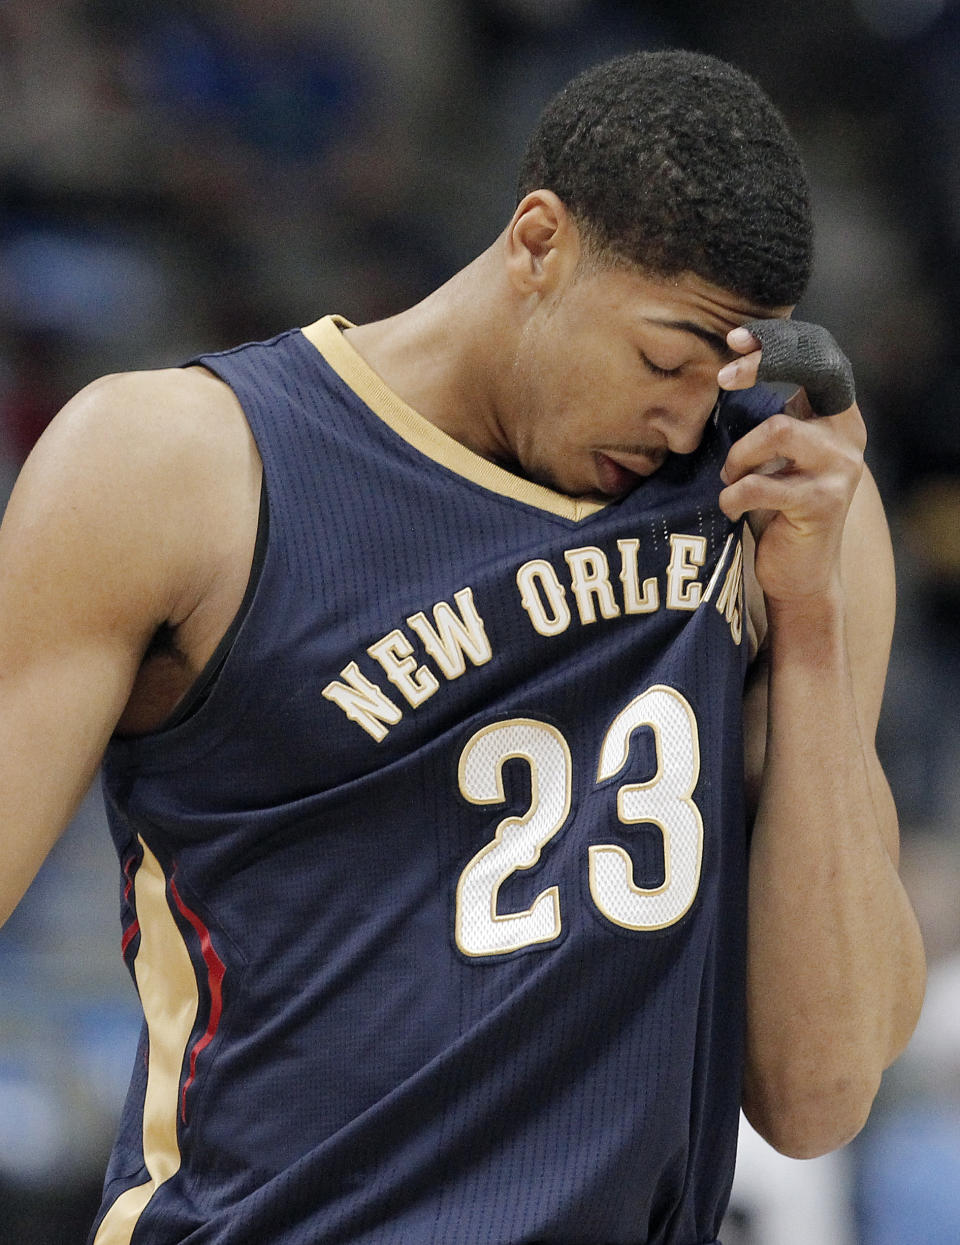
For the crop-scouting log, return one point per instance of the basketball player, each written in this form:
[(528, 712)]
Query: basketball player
[(417, 654)]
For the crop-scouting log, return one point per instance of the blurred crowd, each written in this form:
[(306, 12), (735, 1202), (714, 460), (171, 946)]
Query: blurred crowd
[(182, 176)]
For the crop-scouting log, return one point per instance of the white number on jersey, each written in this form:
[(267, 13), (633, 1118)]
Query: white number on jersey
[(665, 800)]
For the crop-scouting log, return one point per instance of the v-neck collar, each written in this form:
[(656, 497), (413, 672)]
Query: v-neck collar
[(327, 336)]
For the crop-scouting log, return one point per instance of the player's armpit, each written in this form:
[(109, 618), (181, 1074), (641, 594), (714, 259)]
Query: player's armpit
[(98, 546)]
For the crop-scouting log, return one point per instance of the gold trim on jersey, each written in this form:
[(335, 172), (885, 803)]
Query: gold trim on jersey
[(426, 437), (169, 996)]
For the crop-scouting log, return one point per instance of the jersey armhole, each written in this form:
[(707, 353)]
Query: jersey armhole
[(756, 610), (203, 684)]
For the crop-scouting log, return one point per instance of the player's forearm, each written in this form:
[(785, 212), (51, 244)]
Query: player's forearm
[(835, 964)]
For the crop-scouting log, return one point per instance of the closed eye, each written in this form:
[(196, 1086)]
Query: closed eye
[(660, 371)]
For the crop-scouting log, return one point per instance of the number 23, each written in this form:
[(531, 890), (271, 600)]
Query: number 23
[(665, 801)]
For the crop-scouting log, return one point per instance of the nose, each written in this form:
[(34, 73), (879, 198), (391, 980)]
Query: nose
[(682, 423)]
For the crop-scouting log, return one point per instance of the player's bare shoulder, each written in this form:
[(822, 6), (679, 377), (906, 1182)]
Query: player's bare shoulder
[(137, 510), (172, 419), (164, 452)]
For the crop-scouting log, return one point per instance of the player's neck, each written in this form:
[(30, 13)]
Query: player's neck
[(439, 357)]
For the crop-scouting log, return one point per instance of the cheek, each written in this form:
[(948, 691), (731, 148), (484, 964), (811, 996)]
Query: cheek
[(570, 399), (589, 380), (547, 386)]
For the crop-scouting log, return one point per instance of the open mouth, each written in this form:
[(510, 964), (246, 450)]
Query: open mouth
[(616, 478)]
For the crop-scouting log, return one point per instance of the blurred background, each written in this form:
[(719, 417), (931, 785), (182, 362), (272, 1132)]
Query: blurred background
[(182, 176)]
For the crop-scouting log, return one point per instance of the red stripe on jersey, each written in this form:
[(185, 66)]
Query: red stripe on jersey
[(128, 936), (215, 973), (132, 863), (128, 874)]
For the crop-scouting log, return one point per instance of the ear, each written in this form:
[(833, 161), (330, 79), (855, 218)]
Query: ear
[(542, 244)]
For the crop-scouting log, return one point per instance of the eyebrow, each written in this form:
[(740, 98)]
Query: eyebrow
[(716, 341)]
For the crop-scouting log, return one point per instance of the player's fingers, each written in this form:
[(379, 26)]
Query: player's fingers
[(807, 498), (807, 355), (740, 373), (830, 444), (756, 493)]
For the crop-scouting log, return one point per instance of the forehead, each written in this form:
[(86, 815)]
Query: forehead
[(685, 304)]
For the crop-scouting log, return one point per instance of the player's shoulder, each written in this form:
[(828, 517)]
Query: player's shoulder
[(140, 454), (173, 406), (148, 429), (145, 487)]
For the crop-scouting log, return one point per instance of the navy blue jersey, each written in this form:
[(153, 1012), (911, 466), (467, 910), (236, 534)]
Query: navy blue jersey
[(436, 903)]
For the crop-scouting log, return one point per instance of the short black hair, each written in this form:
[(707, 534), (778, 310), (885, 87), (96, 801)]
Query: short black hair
[(676, 162)]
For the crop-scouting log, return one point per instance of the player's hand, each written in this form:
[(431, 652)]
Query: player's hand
[(796, 473)]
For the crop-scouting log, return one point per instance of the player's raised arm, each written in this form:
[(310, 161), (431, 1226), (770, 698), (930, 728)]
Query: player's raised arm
[(117, 524), (835, 964)]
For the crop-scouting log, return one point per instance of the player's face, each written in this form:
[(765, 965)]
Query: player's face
[(613, 372)]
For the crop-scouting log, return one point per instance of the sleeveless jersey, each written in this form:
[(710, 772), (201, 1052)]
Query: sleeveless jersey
[(436, 903)]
